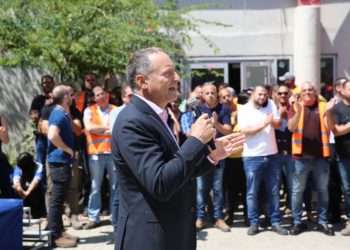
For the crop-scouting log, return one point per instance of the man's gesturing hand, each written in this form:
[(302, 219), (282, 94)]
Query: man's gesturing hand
[(203, 129), (227, 145)]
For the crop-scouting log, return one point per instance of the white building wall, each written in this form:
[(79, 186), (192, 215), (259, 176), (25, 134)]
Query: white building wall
[(266, 28)]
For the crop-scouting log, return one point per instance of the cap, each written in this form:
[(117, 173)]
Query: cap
[(287, 76)]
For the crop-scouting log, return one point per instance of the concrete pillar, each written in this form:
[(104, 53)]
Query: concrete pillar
[(307, 42)]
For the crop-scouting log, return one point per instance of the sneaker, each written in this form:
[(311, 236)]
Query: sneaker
[(280, 230), (200, 224), (221, 225), (64, 242), (253, 229), (76, 224), (91, 225), (69, 236), (324, 228), (346, 230)]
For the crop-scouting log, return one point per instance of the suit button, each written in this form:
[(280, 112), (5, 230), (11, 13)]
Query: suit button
[(192, 210)]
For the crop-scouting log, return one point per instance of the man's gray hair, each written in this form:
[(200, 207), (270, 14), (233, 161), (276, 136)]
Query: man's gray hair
[(140, 64), (232, 91), (210, 84)]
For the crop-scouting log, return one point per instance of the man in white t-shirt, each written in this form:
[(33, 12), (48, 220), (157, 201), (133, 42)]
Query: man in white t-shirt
[(257, 120)]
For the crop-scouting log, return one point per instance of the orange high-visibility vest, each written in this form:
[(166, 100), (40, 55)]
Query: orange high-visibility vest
[(297, 136), (98, 144)]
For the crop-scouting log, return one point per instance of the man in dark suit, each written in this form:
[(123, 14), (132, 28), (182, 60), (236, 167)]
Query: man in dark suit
[(156, 176)]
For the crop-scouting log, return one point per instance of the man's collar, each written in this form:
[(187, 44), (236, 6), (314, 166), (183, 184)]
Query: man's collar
[(153, 106)]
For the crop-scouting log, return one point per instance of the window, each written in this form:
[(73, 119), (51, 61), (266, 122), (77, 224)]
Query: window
[(327, 76)]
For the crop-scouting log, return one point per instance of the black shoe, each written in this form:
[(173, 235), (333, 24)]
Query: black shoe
[(324, 228), (280, 230), (297, 229), (253, 229)]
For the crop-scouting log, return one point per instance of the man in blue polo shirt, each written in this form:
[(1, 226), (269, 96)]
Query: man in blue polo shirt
[(60, 158)]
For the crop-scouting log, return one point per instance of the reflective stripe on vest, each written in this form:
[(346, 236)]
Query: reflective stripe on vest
[(297, 137), (98, 144)]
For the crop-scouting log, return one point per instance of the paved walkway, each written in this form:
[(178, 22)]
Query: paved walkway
[(213, 239)]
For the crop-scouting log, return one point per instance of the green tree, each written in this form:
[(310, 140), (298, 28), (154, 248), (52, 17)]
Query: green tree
[(70, 38)]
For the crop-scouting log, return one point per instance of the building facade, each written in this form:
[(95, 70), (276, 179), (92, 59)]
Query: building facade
[(268, 38)]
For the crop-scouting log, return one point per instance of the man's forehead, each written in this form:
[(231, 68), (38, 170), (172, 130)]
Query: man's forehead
[(208, 88), (260, 90), (307, 86)]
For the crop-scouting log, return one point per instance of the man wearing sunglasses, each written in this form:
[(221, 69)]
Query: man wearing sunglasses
[(284, 138)]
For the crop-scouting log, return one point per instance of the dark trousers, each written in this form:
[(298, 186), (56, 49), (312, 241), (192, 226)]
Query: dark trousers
[(234, 185), (61, 175)]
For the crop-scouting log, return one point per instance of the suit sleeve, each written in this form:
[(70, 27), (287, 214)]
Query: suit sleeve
[(160, 172)]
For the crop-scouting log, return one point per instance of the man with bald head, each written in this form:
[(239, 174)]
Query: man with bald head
[(311, 151), (60, 158)]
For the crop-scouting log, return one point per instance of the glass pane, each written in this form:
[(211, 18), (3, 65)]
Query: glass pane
[(256, 75), (282, 68), (327, 76)]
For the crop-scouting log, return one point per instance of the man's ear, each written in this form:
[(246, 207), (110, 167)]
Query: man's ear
[(141, 82)]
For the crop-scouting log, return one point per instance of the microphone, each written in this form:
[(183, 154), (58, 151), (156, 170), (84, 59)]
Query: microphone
[(192, 104)]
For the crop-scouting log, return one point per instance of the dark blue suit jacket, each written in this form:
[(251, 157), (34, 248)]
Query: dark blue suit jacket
[(156, 181)]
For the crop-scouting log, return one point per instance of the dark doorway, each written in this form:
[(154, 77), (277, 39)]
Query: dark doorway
[(234, 76)]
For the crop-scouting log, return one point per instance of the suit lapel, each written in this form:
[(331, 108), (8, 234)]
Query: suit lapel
[(145, 108)]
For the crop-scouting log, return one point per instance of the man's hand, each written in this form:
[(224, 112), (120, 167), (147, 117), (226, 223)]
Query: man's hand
[(227, 145), (297, 107), (70, 152), (330, 105), (203, 129), (268, 119), (283, 111)]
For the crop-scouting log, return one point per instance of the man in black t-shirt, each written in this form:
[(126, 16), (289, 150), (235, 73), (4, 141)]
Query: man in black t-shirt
[(339, 122), (40, 101)]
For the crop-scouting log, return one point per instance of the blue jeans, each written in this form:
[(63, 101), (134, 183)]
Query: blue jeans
[(214, 180), (344, 171), (97, 165), (320, 171), (287, 164), (267, 169)]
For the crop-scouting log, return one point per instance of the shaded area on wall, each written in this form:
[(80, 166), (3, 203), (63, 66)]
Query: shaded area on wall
[(18, 87)]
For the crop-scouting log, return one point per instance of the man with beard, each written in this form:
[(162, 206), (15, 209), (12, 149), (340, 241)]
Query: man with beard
[(36, 111), (257, 120), (60, 159), (339, 121)]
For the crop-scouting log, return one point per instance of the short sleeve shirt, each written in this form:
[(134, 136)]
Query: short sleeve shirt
[(61, 120), (223, 113), (311, 140), (341, 115), (262, 143)]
